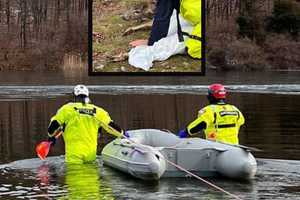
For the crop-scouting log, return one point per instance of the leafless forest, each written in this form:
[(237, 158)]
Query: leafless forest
[(253, 34), (246, 34), (38, 34)]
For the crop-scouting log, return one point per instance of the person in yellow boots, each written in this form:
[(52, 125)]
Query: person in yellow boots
[(220, 121), (80, 122)]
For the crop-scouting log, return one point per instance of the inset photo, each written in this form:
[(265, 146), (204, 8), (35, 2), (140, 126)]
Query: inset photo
[(147, 37)]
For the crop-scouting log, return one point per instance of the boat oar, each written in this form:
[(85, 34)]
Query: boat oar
[(43, 148), (246, 148)]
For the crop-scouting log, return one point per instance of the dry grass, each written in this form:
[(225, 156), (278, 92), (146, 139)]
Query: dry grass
[(246, 55), (110, 20), (227, 50), (282, 52), (48, 39)]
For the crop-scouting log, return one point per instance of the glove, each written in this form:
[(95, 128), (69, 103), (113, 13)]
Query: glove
[(183, 133), (52, 140), (126, 134)]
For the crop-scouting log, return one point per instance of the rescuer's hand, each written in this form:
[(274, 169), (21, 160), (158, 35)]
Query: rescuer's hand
[(52, 140), (183, 133), (126, 134), (136, 43)]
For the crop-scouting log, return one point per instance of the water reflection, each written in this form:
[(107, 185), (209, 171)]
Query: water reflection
[(271, 125), (52, 179), (84, 182), (43, 174), (271, 120)]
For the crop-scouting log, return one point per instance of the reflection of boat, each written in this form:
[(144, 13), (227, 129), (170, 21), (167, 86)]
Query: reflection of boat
[(146, 157)]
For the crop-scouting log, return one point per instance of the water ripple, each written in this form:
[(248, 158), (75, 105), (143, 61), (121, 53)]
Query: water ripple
[(276, 179)]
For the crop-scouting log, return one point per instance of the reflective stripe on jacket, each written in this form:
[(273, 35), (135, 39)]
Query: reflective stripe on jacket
[(222, 121), (81, 123)]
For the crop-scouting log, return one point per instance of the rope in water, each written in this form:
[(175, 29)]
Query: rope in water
[(192, 174), (203, 180)]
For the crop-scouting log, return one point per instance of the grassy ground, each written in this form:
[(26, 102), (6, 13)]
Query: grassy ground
[(110, 20)]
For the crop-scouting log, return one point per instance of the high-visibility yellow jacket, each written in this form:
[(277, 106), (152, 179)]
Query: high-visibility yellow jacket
[(222, 121), (81, 123), (191, 11)]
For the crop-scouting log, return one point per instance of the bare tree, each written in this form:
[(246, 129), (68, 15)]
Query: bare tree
[(7, 14)]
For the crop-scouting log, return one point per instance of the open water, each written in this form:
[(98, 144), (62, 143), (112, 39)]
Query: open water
[(270, 102), (272, 124)]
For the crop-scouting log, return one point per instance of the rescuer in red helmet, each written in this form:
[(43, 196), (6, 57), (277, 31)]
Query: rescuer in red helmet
[(220, 121)]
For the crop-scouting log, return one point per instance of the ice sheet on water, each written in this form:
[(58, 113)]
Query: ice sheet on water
[(59, 90)]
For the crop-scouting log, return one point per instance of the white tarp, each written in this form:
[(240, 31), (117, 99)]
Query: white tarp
[(143, 56)]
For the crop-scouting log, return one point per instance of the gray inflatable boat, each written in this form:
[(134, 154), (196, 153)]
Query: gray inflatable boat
[(148, 155)]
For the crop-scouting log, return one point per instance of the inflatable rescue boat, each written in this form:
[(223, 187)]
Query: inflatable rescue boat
[(151, 154)]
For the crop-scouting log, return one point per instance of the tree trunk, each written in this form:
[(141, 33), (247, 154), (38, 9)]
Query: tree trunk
[(8, 15)]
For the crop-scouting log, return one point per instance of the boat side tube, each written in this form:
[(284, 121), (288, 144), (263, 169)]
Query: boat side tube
[(140, 161), (236, 163)]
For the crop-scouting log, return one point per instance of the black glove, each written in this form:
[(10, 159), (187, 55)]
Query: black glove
[(52, 140)]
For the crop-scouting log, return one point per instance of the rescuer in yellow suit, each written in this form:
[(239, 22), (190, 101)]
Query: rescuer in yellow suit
[(191, 11), (80, 122), (220, 121)]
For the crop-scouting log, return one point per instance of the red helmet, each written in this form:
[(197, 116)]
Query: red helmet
[(217, 91)]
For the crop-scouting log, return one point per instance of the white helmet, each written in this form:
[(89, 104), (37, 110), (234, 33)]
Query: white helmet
[(81, 90)]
